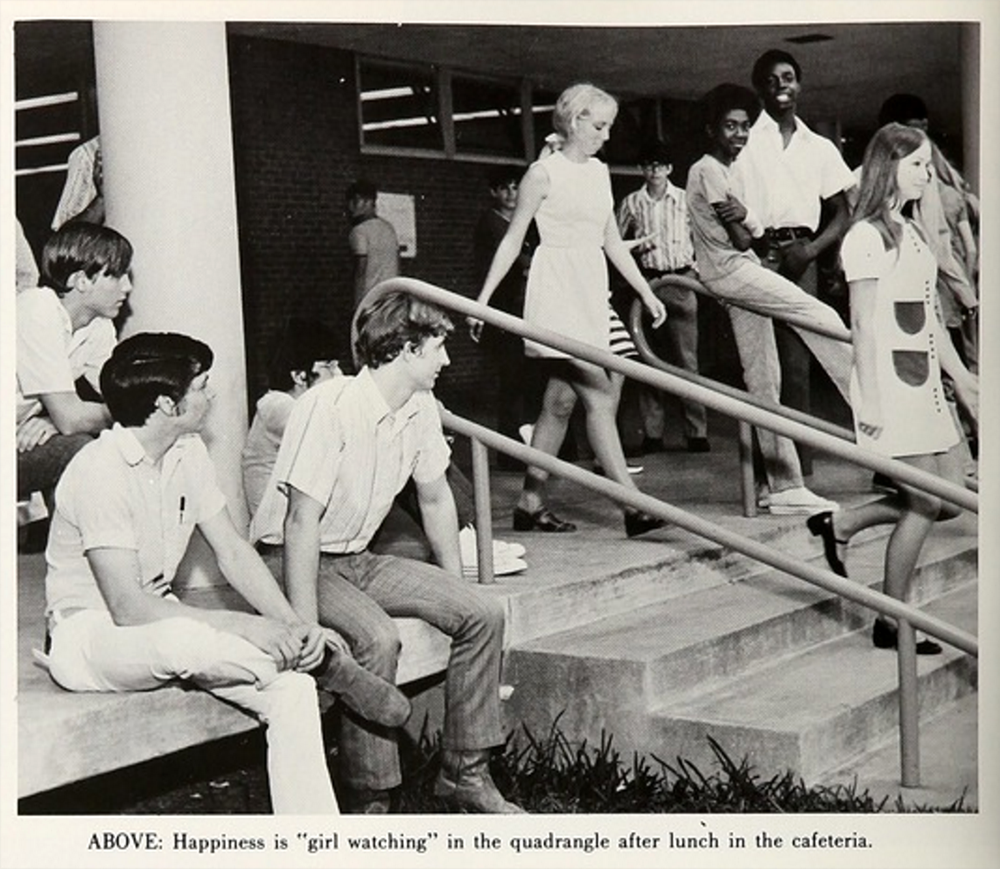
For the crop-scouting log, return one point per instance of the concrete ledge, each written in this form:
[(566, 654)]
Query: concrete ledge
[(65, 736)]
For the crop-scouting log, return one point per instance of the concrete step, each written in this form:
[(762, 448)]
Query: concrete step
[(612, 576), (627, 673), (718, 628), (814, 710), (949, 763)]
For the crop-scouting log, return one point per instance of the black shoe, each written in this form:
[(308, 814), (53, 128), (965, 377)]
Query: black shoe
[(821, 525), (368, 694), (542, 519), (698, 445), (886, 636), (637, 522)]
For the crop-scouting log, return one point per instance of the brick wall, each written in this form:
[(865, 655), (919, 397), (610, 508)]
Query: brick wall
[(296, 151)]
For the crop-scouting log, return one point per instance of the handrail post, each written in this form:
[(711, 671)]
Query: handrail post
[(909, 705), (747, 482), (484, 512)]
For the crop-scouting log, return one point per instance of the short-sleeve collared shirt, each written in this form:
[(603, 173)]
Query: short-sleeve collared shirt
[(345, 448), (666, 218), (112, 495), (375, 239), (51, 357), (711, 181), (786, 186)]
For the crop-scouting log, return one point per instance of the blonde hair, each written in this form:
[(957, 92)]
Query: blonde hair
[(879, 188), (577, 101)]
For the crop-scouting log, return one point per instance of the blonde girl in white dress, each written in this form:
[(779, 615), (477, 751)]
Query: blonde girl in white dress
[(567, 191)]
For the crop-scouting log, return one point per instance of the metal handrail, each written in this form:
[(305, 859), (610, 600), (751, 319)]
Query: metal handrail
[(908, 617), (737, 404), (649, 356)]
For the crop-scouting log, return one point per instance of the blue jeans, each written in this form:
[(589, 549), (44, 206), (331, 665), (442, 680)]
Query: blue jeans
[(358, 595)]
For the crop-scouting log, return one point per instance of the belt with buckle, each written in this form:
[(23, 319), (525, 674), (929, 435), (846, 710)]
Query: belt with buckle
[(789, 233), (653, 274)]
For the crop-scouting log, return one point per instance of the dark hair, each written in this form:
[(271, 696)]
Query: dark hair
[(147, 365), (767, 61), (654, 151), (386, 325), (88, 247), (501, 176), (300, 345), (725, 98), (900, 108), (362, 189)]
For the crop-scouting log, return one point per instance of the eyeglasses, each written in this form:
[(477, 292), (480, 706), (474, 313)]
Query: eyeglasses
[(653, 166)]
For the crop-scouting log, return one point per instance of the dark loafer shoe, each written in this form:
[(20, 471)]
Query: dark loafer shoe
[(637, 523), (542, 519), (821, 525), (885, 636)]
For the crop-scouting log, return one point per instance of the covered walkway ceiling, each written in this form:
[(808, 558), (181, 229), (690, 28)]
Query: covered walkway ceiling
[(848, 69)]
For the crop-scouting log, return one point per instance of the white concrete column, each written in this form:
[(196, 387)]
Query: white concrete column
[(166, 136)]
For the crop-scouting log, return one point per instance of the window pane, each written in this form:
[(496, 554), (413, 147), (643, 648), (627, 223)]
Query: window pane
[(542, 103), (635, 124), (487, 116), (399, 106)]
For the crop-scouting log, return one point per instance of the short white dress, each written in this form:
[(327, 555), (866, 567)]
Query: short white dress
[(916, 417), (567, 288)]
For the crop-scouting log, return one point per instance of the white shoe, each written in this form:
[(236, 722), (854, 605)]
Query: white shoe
[(763, 497), (632, 469), (504, 553), (799, 502), (526, 432), (501, 567), (503, 549)]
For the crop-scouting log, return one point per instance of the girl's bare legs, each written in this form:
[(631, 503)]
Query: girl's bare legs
[(550, 432), (921, 512), (913, 511), (600, 392)]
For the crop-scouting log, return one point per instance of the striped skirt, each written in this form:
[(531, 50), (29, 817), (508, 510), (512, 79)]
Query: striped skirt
[(620, 337)]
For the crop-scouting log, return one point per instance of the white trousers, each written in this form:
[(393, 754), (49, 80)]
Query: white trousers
[(89, 652), (775, 295)]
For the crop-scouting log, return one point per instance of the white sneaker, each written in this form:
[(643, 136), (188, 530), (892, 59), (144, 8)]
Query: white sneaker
[(799, 502), (501, 567), (632, 469), (526, 432), (503, 552), (502, 548)]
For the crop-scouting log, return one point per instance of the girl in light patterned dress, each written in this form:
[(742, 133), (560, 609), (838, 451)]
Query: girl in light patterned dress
[(900, 349)]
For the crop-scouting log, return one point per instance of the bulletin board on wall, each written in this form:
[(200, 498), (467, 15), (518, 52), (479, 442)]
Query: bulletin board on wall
[(400, 210)]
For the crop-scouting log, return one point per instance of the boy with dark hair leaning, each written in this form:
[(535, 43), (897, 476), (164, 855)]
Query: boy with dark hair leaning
[(114, 623)]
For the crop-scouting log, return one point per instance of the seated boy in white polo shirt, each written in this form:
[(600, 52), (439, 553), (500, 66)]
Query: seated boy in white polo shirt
[(114, 622)]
